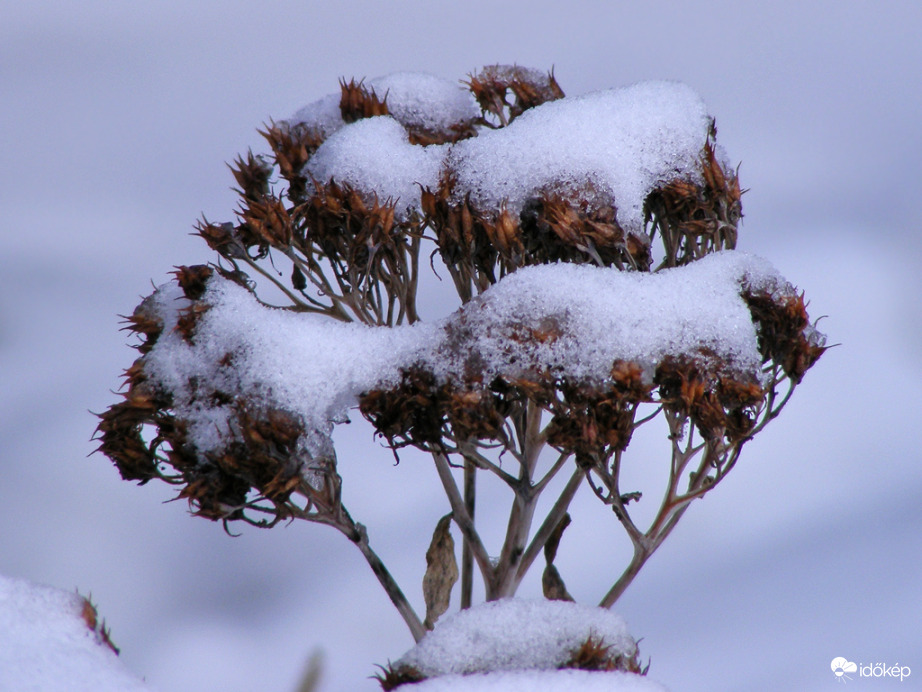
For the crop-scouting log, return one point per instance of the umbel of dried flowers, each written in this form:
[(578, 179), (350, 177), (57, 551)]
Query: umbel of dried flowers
[(591, 243)]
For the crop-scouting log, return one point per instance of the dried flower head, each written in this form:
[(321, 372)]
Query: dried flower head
[(594, 654), (529, 88), (500, 382), (358, 101)]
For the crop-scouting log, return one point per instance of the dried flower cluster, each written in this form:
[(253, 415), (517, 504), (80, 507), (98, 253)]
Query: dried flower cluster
[(264, 454), (593, 654), (349, 254), (495, 85)]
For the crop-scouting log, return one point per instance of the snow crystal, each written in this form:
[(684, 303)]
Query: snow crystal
[(544, 680), (624, 142), (423, 101), (374, 155), (48, 647), (515, 634)]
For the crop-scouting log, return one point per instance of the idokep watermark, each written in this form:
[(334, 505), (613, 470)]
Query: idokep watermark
[(845, 670)]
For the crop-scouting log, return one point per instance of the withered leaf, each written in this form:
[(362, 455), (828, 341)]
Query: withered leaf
[(441, 572), (550, 548), (552, 583)]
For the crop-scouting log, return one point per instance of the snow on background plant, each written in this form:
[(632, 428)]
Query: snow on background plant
[(590, 242)]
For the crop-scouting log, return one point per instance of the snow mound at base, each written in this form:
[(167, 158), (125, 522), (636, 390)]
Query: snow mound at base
[(48, 645), (544, 680), (515, 634)]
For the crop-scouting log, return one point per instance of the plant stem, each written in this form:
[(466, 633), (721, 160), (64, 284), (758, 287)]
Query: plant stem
[(467, 554), (359, 536), (641, 553), (520, 519), (462, 519), (550, 523)]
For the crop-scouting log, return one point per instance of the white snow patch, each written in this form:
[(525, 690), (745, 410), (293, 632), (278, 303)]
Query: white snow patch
[(309, 364), (414, 99), (543, 680), (602, 315), (374, 155), (322, 115), (317, 367), (48, 647), (515, 634), (420, 100), (624, 142), (613, 146)]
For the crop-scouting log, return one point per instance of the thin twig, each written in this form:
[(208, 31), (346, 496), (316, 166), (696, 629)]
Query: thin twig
[(462, 519)]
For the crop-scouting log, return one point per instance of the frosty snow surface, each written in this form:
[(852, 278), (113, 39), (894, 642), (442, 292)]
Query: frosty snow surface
[(375, 155), (624, 142), (48, 646), (515, 634), (615, 146), (414, 99), (517, 644), (424, 101), (544, 680), (316, 367)]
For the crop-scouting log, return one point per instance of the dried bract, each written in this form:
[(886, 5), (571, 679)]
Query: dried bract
[(391, 677), (529, 88), (594, 654), (358, 101), (292, 146), (785, 333), (695, 219)]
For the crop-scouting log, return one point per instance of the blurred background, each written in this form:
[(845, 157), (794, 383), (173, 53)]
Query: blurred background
[(115, 123)]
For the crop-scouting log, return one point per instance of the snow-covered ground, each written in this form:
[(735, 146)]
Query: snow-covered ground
[(54, 640), (116, 125)]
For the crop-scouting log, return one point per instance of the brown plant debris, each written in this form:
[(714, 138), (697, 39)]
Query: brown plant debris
[(90, 616), (441, 572), (358, 101), (551, 582), (595, 654), (696, 219), (507, 91), (391, 677)]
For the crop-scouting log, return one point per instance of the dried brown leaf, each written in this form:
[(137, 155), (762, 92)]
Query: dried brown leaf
[(441, 571)]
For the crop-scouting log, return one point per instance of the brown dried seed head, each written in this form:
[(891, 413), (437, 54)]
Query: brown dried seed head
[(269, 221), (188, 319), (293, 145), (90, 616), (628, 378), (594, 654), (146, 322), (357, 101), (529, 88), (391, 677), (221, 238), (735, 393), (192, 280), (252, 175), (473, 414)]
